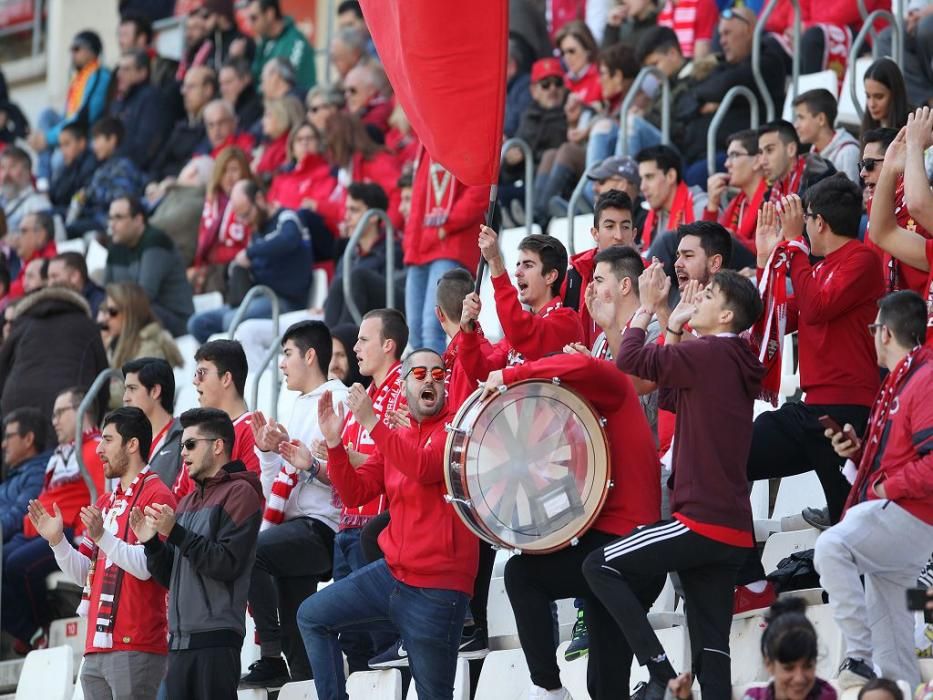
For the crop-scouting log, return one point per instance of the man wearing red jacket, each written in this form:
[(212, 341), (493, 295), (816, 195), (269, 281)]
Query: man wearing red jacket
[(127, 632), (529, 335), (887, 531), (422, 586), (35, 240), (439, 231), (533, 581)]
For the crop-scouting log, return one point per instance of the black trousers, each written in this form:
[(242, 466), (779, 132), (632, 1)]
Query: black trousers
[(534, 581), (291, 559), (790, 441), (621, 572), (196, 674)]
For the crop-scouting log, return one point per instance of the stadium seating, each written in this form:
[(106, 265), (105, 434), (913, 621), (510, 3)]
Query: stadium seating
[(47, 674), (251, 694), (461, 683), (847, 114), (812, 81), (299, 690), (504, 676), (375, 685)]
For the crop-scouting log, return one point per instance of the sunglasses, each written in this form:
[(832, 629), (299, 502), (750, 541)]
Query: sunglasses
[(438, 374), (191, 443), (112, 311), (550, 83), (729, 13), (869, 164)]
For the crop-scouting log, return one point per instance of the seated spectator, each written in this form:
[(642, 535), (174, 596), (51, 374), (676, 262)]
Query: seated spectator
[(518, 75), (70, 270), (36, 275), (135, 32), (578, 49), (619, 173), (197, 47), (628, 21), (34, 370), (917, 38), (33, 242), (279, 118), (25, 456), (78, 166), (369, 95), (116, 176), (814, 117), (348, 48), (278, 36), (13, 123), (238, 89), (784, 167), (278, 80), (18, 195), (885, 96), (223, 33), (322, 102), (221, 124), (85, 99), (659, 48), (130, 330), (694, 21), (27, 559), (875, 144), (350, 16), (146, 256), (221, 234), (308, 178), (742, 180), (278, 256), (344, 364), (139, 105), (617, 71)]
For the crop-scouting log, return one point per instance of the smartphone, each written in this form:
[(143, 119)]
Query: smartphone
[(829, 423), (917, 599)]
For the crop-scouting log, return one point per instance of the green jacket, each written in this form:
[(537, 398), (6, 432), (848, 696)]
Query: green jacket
[(290, 44)]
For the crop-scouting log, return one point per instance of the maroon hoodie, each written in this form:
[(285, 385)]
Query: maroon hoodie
[(711, 384)]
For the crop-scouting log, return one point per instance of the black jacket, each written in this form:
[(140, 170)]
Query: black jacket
[(146, 119), (248, 108), (72, 178), (185, 137), (541, 129)]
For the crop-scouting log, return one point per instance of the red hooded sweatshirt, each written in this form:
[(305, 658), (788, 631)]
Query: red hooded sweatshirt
[(635, 498), (309, 179), (16, 287), (425, 544)]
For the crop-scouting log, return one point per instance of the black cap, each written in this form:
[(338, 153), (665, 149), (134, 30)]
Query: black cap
[(89, 40)]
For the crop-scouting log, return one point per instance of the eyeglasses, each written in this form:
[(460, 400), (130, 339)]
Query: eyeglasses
[(189, 444), (202, 372), (111, 311), (550, 83), (873, 328), (730, 13), (59, 412), (868, 164), (732, 155), (438, 374)]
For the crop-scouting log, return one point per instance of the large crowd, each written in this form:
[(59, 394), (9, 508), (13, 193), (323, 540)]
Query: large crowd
[(237, 166)]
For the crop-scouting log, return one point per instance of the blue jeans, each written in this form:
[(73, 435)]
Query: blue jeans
[(430, 621), (604, 139), (424, 330), (203, 325), (50, 161)]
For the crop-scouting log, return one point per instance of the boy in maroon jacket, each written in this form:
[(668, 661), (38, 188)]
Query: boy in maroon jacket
[(711, 383)]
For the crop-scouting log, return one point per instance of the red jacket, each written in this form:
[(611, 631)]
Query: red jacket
[(580, 274), (241, 139), (842, 13), (310, 179), (455, 239), (16, 287), (221, 235), (587, 86), (382, 169), (528, 336), (274, 155), (459, 385), (833, 303), (377, 112), (426, 544), (635, 498)]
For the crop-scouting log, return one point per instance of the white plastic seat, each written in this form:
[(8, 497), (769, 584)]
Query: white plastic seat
[(847, 113), (249, 652), (745, 649), (676, 645), (573, 673), (96, 259), (796, 493), (47, 674), (319, 288), (78, 693), (74, 245), (825, 79), (831, 646), (70, 632), (783, 544), (207, 301), (375, 685), (504, 676), (298, 690), (461, 683), (252, 694)]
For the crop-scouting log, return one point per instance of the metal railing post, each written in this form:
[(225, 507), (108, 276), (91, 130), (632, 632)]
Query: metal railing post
[(258, 290), (529, 177), (630, 98), (756, 56), (350, 253), (276, 383), (36, 27), (572, 213), (737, 91), (897, 27), (101, 382), (896, 47)]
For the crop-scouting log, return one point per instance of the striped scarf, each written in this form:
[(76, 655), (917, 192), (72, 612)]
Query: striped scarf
[(285, 482), (790, 183), (77, 87)]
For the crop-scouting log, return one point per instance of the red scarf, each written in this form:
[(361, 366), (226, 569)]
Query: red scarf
[(790, 183), (681, 213), (767, 335), (741, 216), (878, 419)]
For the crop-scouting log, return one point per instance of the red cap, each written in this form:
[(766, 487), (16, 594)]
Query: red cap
[(546, 68)]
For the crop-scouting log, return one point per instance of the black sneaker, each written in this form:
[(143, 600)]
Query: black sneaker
[(396, 656), (473, 644), (817, 517), (854, 672), (268, 672), (579, 639), (654, 689)]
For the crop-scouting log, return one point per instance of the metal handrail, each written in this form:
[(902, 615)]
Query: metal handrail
[(630, 98), (529, 177), (330, 37), (737, 91), (756, 56), (350, 253), (102, 381), (276, 384), (898, 26), (258, 290), (857, 44)]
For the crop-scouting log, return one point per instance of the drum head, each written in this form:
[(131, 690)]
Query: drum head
[(535, 466)]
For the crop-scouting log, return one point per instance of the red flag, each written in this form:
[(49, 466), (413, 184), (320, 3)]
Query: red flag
[(446, 62)]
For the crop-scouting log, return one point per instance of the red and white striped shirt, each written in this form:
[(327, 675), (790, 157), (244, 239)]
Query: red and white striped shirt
[(691, 20)]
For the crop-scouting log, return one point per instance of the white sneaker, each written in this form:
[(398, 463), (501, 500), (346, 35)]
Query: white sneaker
[(537, 693)]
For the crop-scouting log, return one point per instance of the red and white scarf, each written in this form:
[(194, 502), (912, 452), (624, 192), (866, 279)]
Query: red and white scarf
[(767, 335), (119, 503), (681, 213), (790, 183)]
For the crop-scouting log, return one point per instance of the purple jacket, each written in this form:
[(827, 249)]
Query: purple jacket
[(821, 690)]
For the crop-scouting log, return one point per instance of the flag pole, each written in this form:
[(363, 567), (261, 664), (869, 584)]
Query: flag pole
[(490, 212)]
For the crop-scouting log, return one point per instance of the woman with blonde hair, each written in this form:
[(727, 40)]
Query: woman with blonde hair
[(308, 179), (279, 117)]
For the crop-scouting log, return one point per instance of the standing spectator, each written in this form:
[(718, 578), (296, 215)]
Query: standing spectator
[(35, 240), (743, 175), (125, 647), (296, 541), (27, 560), (578, 49), (368, 95), (205, 559), (617, 71), (69, 270), (18, 195), (146, 256), (78, 166), (150, 386), (140, 107), (875, 144), (694, 21), (885, 96), (918, 50), (281, 115), (25, 456), (32, 370), (223, 33), (238, 90), (348, 48), (814, 117), (85, 100), (786, 169), (278, 36), (278, 256)]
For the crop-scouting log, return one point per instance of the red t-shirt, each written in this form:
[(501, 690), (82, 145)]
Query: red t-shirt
[(244, 450), (691, 20), (929, 294)]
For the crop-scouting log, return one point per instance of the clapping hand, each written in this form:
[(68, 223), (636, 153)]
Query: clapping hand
[(329, 421), (51, 527), (399, 418), (768, 233), (297, 454), (162, 517), (791, 215), (577, 349), (268, 434), (602, 311), (361, 406), (144, 528), (93, 522), (920, 129), (689, 299), (654, 285)]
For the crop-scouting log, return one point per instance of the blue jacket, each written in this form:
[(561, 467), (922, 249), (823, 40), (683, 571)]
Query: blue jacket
[(21, 485), (280, 257), (92, 104)]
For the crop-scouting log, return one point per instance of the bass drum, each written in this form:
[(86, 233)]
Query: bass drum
[(527, 468)]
